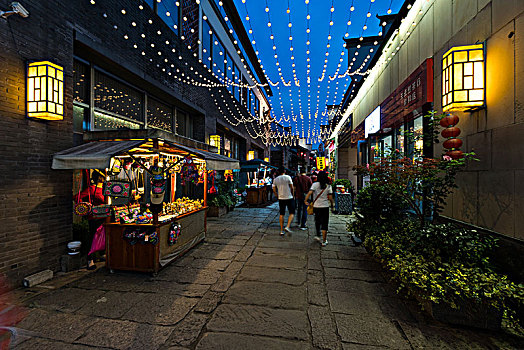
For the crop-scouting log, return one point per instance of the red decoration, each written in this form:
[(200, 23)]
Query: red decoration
[(450, 132), (449, 120), (453, 143), (456, 154)]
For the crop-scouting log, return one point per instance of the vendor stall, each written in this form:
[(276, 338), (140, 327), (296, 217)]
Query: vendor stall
[(258, 186), (150, 220)]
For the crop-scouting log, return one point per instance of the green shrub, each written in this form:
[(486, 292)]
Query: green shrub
[(379, 202), (443, 263)]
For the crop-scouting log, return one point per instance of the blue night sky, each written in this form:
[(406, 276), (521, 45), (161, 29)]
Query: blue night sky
[(291, 105)]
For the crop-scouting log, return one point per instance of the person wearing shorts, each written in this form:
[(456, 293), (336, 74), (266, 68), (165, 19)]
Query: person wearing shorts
[(283, 189), (322, 195)]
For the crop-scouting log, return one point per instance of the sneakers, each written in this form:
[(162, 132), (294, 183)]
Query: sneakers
[(303, 228), (324, 243), (282, 233), (317, 238), (287, 229)]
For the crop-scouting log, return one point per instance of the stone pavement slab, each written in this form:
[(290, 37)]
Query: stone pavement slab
[(66, 299), (271, 275), (231, 341), (365, 330), (257, 320), (323, 328), (56, 325), (125, 335), (275, 295), (173, 288), (275, 261), (161, 309)]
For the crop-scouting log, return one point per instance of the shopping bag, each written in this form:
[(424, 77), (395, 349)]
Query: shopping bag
[(101, 211), (310, 210), (117, 188), (99, 240)]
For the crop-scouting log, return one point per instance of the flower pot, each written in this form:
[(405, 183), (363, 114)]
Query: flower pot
[(216, 211)]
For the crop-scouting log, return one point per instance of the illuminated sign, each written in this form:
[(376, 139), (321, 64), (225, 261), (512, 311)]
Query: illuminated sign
[(372, 122), (321, 163)]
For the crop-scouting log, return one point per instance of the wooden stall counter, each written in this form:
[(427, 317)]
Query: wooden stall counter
[(132, 247)]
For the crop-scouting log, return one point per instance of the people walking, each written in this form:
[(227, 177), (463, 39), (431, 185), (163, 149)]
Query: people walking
[(322, 193), (283, 189), (302, 185)]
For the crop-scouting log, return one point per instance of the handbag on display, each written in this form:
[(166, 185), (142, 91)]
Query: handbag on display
[(101, 211), (83, 208), (117, 188), (310, 210)]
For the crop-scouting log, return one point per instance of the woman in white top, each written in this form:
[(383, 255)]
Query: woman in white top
[(322, 195)]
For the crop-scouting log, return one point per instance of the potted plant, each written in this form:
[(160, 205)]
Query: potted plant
[(219, 204)]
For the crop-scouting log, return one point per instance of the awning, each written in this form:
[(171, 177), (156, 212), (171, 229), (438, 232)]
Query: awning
[(98, 154), (254, 165)]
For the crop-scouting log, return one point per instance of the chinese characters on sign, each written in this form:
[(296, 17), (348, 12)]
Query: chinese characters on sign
[(409, 94)]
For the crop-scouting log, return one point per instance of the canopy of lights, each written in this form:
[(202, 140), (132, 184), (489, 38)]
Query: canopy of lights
[(302, 50), (301, 47)]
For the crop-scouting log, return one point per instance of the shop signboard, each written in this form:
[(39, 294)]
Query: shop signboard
[(411, 95), (372, 122), (321, 163)]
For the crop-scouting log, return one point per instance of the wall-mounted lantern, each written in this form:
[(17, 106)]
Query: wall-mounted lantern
[(463, 78), (250, 155), (45, 90), (215, 140), (266, 159)]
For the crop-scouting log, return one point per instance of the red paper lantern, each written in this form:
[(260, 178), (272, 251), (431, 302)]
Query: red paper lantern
[(450, 132), (449, 120), (452, 143), (455, 154)]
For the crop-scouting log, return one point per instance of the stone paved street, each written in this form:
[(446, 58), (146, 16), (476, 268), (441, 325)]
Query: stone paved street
[(245, 288)]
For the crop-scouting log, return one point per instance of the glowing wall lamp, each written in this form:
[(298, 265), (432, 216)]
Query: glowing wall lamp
[(463, 86), (266, 159), (250, 155), (45, 90), (215, 140)]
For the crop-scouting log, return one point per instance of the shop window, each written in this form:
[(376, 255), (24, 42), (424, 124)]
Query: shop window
[(400, 140), (418, 134), (228, 70), (105, 121), (207, 39), (218, 58), (244, 96), (184, 124), (169, 13), (118, 98), (227, 146), (236, 78), (159, 115), (80, 82), (80, 123)]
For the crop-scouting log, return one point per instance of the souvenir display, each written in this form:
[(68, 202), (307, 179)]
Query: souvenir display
[(117, 188), (213, 188), (189, 171), (228, 175), (101, 211), (174, 233), (83, 208)]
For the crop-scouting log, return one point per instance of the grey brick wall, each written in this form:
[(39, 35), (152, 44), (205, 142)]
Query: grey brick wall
[(35, 201)]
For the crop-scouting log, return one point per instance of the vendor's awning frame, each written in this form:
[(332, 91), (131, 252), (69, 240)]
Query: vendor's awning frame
[(98, 154)]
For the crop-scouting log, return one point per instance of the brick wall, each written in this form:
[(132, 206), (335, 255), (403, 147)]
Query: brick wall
[(35, 201)]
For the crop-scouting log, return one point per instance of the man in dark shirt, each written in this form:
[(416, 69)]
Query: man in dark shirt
[(302, 184)]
